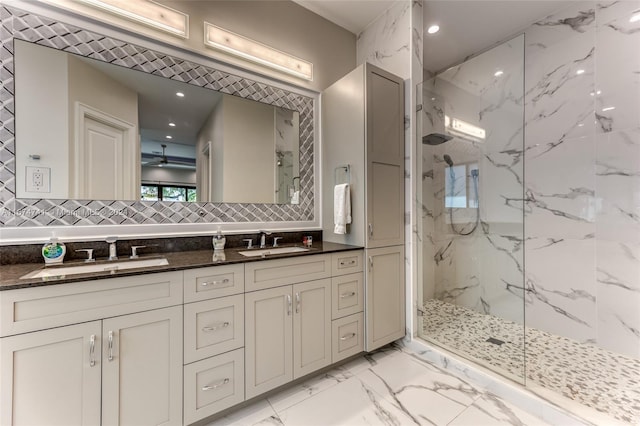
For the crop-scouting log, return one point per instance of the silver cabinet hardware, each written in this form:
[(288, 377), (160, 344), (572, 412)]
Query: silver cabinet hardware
[(89, 254), (348, 336), (217, 385), (288, 304), (297, 302), (370, 263), (371, 229), (214, 283), (348, 263), (110, 346), (92, 350), (209, 329), (346, 295)]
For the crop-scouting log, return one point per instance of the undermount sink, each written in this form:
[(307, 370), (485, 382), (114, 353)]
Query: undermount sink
[(94, 267), (277, 250)]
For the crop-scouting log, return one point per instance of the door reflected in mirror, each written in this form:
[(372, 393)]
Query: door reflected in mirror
[(106, 132)]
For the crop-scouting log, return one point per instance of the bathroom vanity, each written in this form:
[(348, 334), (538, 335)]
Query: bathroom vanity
[(178, 343)]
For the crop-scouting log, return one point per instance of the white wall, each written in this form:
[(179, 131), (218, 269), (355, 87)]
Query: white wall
[(42, 117)]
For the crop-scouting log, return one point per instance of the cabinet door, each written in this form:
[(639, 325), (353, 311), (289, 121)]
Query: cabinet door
[(385, 159), (385, 315), (268, 339), (142, 368), (311, 327), (51, 377)]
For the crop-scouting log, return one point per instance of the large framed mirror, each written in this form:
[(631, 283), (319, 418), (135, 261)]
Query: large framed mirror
[(115, 133), (222, 179)]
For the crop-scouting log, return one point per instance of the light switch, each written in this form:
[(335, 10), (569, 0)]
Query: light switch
[(38, 179)]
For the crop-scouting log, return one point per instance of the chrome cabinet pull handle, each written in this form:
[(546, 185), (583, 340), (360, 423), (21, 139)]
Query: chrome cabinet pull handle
[(371, 229), (110, 345), (92, 350), (348, 336), (297, 303), (289, 304), (349, 263), (370, 263), (217, 385), (345, 295), (214, 283), (209, 329)]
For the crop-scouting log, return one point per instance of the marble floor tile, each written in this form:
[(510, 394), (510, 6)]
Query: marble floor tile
[(489, 410), (258, 413)]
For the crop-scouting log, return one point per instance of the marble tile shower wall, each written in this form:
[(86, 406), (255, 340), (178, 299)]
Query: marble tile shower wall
[(484, 270), (581, 182), (582, 143)]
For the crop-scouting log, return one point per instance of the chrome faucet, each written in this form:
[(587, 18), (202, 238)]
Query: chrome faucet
[(113, 252), (263, 238)]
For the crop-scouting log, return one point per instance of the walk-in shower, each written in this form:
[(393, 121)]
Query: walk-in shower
[(472, 195), (479, 123)]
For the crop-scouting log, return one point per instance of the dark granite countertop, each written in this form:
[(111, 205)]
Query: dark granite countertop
[(10, 274)]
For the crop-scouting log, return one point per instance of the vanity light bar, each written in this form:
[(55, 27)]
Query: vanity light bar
[(460, 126), (147, 12), (235, 44)]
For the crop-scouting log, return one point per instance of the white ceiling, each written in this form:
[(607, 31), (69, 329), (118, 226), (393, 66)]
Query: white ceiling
[(353, 15), (467, 27)]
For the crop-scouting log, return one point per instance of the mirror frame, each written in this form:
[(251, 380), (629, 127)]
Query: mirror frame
[(54, 213)]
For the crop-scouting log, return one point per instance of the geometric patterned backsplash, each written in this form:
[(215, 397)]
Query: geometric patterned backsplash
[(43, 212)]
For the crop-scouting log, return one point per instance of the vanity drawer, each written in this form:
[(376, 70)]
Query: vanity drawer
[(346, 262), (273, 273), (347, 295), (212, 327), (213, 384), (347, 336), (214, 281), (38, 308)]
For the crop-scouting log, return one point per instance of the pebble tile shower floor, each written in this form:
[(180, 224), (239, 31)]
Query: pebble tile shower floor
[(587, 374)]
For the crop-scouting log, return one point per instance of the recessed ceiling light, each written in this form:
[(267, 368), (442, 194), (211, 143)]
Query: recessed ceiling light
[(580, 72), (598, 92), (180, 94), (635, 17), (498, 73), (169, 137), (433, 29), (172, 124), (608, 108), (433, 99)]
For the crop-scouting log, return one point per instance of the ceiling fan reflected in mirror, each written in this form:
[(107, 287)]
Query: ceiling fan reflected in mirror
[(152, 160)]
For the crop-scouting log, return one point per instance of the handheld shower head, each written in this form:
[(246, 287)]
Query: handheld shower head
[(448, 160)]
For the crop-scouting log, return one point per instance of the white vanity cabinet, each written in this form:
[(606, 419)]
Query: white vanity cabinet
[(363, 128), (52, 376), (85, 348), (213, 340), (288, 324)]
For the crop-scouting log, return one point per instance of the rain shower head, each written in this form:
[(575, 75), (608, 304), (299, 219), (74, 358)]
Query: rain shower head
[(435, 139)]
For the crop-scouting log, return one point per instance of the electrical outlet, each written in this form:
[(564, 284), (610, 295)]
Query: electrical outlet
[(38, 179)]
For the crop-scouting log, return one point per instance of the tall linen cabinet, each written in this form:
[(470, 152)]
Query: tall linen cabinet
[(363, 145)]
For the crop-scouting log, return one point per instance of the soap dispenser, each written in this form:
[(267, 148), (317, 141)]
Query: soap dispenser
[(53, 252), (219, 241)]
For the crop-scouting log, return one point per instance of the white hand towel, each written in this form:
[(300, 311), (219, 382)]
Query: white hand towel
[(341, 208)]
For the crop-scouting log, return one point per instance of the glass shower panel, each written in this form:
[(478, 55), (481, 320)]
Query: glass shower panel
[(472, 290)]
